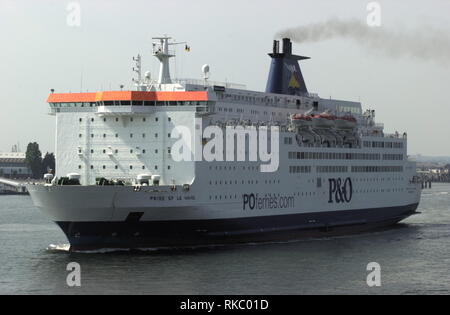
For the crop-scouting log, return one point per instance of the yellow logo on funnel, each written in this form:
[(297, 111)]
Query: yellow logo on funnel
[(294, 83)]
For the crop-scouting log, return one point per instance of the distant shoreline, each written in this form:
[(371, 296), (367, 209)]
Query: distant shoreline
[(8, 193)]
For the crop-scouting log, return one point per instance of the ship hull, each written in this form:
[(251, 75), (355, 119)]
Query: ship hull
[(134, 234)]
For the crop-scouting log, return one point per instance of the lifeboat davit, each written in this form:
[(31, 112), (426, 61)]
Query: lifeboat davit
[(324, 120), (301, 120), (346, 122)]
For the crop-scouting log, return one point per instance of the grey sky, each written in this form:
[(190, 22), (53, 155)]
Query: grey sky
[(40, 51)]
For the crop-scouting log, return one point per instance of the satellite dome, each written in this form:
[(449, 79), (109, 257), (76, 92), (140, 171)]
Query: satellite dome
[(205, 70)]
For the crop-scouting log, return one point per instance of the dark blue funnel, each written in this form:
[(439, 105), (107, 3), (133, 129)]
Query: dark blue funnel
[(285, 76)]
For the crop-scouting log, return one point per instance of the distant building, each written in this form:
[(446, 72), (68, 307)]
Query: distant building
[(13, 165)]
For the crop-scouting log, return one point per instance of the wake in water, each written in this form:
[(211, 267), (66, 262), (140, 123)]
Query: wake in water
[(430, 194), (58, 248)]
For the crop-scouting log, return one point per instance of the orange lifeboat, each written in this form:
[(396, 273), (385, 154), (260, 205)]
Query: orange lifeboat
[(324, 120), (301, 120), (346, 122)]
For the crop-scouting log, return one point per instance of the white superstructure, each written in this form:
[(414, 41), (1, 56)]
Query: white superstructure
[(337, 170)]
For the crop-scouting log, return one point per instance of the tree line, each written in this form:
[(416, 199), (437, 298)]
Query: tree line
[(38, 165)]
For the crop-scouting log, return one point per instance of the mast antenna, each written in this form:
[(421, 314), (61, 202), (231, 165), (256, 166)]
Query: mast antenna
[(162, 52), (138, 68)]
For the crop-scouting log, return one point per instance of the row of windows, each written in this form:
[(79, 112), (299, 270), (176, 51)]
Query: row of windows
[(252, 99), (224, 197), (376, 169), (233, 168), (393, 157), (13, 171), (332, 156), (344, 169), (117, 135), (367, 191), (252, 112), (376, 179), (251, 182), (332, 169), (129, 103), (382, 144), (116, 167), (262, 100), (235, 182), (299, 169), (116, 151), (351, 109), (132, 119)]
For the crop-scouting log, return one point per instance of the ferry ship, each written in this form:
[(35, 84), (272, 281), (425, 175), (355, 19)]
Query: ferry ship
[(119, 183)]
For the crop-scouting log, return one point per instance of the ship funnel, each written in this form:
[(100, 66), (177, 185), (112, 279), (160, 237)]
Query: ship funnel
[(285, 76)]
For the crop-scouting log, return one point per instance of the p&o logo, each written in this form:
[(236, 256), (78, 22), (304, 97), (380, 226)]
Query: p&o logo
[(340, 190)]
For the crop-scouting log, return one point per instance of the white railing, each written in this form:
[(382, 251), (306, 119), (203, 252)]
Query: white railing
[(384, 135), (210, 83)]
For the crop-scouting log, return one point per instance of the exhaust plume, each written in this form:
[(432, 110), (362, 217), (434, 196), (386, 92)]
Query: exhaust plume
[(425, 43)]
